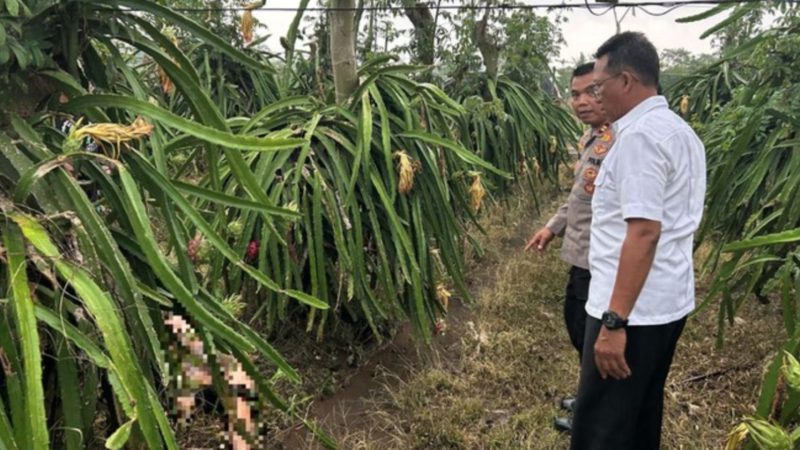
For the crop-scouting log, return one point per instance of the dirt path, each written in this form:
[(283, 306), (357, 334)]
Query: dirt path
[(493, 381), (346, 411)]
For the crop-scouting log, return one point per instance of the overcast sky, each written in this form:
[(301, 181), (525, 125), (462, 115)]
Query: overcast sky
[(583, 32)]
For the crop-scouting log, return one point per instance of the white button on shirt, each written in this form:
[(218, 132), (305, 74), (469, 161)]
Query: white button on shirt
[(656, 171)]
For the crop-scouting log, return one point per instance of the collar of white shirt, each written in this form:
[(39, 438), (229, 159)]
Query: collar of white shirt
[(639, 110)]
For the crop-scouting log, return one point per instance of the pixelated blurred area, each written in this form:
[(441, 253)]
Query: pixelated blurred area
[(192, 377)]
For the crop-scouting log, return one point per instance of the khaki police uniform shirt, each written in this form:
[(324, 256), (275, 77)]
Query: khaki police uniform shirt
[(573, 219)]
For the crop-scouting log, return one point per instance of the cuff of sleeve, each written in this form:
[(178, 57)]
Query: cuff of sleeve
[(556, 226), (640, 211)]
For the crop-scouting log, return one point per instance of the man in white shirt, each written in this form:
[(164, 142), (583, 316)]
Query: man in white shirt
[(648, 202)]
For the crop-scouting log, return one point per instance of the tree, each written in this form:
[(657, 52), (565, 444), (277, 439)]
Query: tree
[(679, 62), (487, 44), (490, 42), (343, 50), (424, 30)]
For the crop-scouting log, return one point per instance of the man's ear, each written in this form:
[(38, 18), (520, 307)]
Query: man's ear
[(627, 80)]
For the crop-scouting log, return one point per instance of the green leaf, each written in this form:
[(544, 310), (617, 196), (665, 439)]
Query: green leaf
[(76, 336), (120, 437), (105, 314), (38, 171), (363, 145), (235, 202), (70, 397), (705, 14), (5, 54), (454, 146), (214, 238), (7, 441), (202, 32), (66, 82), (783, 237), (28, 335), (12, 6), (149, 246), (20, 53), (736, 15), (166, 118), (291, 35)]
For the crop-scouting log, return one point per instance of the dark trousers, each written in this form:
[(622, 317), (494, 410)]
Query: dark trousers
[(625, 414), (575, 306)]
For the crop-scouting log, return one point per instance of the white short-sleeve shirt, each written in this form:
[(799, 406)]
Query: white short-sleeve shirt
[(656, 171)]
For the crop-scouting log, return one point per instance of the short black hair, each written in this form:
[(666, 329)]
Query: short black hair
[(634, 52), (583, 69)]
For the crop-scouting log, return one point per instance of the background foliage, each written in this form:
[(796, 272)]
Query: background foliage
[(745, 107)]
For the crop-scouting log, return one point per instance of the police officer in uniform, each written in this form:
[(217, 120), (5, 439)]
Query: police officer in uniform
[(573, 218)]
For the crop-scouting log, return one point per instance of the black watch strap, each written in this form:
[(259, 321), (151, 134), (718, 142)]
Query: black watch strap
[(613, 321)]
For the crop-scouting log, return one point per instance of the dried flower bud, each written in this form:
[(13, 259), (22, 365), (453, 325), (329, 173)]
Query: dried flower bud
[(736, 437), (406, 166), (684, 104), (443, 295), (247, 26), (477, 192), (166, 82)]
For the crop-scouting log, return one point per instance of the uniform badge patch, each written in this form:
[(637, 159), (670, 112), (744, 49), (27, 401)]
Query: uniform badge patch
[(590, 174)]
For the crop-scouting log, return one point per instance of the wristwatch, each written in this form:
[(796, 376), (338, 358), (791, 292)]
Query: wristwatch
[(612, 321)]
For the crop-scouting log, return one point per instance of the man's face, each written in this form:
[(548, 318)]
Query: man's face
[(587, 107), (608, 88)]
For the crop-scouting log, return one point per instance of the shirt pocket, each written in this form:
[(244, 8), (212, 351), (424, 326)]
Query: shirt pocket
[(603, 187)]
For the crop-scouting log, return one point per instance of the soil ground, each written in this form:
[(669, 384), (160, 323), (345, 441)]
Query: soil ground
[(495, 378)]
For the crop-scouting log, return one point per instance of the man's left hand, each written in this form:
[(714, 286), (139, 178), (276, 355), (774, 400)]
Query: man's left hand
[(609, 354)]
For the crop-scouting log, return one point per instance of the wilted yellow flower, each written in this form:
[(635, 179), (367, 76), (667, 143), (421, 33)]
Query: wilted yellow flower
[(247, 22), (166, 82), (684, 104), (736, 437), (406, 166), (477, 192), (113, 133), (247, 26), (443, 295)]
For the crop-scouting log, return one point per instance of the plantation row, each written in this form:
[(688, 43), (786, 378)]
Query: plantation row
[(149, 173), (170, 172)]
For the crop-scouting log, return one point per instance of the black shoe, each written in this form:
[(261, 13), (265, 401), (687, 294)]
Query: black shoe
[(568, 403), (563, 424)]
